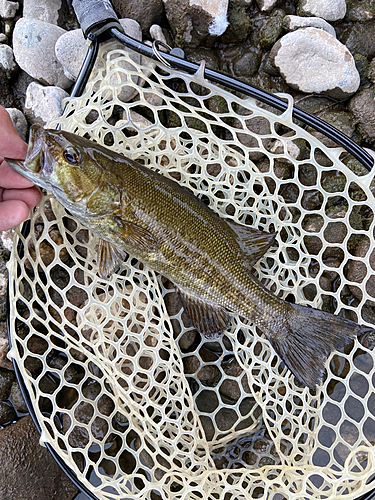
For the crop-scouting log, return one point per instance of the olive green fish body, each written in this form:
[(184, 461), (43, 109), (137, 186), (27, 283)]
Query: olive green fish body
[(137, 211)]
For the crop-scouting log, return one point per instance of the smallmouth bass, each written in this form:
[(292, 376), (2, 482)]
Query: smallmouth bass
[(209, 259)]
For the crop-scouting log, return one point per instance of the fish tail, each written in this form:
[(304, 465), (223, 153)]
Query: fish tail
[(307, 338)]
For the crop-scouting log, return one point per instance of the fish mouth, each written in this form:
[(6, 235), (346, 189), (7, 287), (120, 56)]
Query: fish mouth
[(38, 164)]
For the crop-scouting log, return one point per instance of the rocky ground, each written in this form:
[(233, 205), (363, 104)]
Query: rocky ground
[(320, 51)]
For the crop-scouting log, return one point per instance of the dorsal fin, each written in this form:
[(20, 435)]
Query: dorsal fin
[(253, 242)]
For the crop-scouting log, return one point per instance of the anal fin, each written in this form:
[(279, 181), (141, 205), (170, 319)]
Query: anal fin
[(210, 320)]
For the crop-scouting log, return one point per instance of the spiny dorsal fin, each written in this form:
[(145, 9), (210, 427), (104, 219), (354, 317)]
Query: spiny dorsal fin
[(210, 320), (109, 258), (253, 243)]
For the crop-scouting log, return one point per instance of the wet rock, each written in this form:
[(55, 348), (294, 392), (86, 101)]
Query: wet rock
[(43, 104), (30, 470), (342, 120), (8, 9), (17, 398), (330, 10), (361, 39), (7, 413), (362, 105), (19, 122), (3, 38), (313, 61), (44, 10), (193, 22), (266, 5), (71, 49), (6, 99), (34, 49), (4, 349), (248, 63), (362, 65), (271, 31), (145, 12), (7, 378), (371, 71), (7, 62), (239, 24), (359, 10), (292, 23)]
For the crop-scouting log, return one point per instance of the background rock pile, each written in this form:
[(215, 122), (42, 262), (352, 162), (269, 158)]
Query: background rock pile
[(322, 52)]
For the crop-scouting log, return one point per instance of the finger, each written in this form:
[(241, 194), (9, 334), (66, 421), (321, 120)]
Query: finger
[(12, 213), (30, 196), (9, 178), (11, 144)]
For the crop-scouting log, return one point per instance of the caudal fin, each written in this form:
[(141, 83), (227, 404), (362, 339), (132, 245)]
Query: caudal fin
[(306, 341)]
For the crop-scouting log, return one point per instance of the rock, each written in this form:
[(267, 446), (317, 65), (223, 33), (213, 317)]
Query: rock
[(7, 62), (7, 378), (19, 122), (292, 23), (313, 61), (239, 25), (248, 63), (330, 10), (6, 98), (17, 398), (361, 39), (193, 22), (359, 10), (362, 105), (371, 71), (7, 413), (30, 470), (4, 349), (271, 30), (44, 10), (34, 49), (3, 38), (266, 5), (71, 49), (43, 104), (8, 9), (145, 12)]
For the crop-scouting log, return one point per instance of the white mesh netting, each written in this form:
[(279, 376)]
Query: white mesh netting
[(127, 393)]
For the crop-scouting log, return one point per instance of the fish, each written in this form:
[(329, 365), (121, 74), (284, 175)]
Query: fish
[(210, 259)]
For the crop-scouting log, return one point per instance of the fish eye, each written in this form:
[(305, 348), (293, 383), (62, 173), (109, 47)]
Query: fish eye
[(72, 156)]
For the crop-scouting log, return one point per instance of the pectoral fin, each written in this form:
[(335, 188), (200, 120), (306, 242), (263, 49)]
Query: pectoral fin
[(109, 258), (137, 236), (253, 243), (210, 320)]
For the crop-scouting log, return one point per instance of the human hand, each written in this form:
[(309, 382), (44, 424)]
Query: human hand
[(17, 194)]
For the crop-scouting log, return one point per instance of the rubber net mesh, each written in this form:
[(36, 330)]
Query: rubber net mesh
[(127, 393)]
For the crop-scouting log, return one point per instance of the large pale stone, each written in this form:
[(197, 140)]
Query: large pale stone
[(71, 49), (8, 9), (44, 10), (330, 10), (292, 23), (34, 49), (43, 104), (312, 61), (266, 5)]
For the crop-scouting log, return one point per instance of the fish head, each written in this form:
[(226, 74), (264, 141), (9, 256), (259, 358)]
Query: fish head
[(62, 163)]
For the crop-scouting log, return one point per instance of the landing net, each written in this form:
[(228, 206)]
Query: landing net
[(135, 401)]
